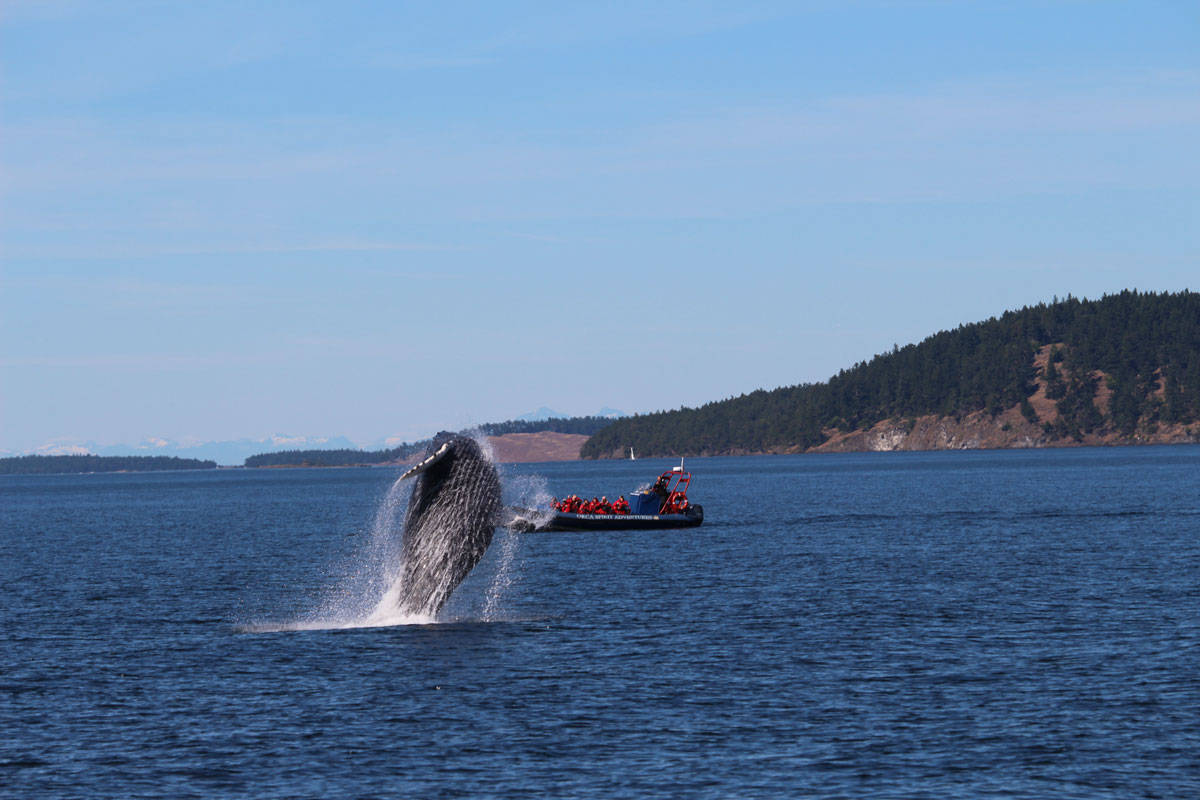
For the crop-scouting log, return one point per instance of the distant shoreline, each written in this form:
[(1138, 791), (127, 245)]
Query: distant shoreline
[(508, 448), (88, 464), (977, 431), (936, 434)]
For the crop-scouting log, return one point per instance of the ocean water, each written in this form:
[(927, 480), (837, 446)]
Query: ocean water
[(977, 624)]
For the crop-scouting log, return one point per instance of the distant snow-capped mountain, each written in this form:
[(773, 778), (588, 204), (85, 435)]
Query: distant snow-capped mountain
[(541, 414), (233, 452), (230, 452)]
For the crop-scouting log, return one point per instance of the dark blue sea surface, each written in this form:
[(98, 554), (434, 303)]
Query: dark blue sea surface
[(978, 624)]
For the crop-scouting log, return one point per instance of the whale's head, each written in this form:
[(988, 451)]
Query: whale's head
[(452, 513)]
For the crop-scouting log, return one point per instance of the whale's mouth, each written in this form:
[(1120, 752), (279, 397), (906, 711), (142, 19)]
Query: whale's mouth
[(429, 461)]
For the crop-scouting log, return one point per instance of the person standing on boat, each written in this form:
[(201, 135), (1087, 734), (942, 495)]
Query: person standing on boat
[(660, 487)]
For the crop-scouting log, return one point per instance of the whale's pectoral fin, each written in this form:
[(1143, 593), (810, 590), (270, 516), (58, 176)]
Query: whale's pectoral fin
[(417, 469)]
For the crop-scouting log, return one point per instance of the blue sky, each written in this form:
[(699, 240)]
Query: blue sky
[(224, 220)]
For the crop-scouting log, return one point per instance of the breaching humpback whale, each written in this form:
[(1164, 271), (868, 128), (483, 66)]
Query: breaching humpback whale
[(452, 514)]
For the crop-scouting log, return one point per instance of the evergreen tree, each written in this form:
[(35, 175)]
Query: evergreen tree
[(1146, 345)]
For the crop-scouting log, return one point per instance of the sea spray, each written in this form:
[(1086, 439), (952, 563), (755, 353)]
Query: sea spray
[(525, 491), (530, 493), (503, 577), (366, 594), (373, 589)]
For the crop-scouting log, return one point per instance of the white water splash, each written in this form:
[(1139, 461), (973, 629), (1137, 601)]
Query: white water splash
[(368, 595), (530, 493), (504, 577)]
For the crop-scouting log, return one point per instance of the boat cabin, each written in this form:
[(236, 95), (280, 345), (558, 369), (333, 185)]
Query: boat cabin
[(668, 495)]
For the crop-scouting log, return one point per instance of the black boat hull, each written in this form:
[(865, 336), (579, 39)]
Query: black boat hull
[(529, 521)]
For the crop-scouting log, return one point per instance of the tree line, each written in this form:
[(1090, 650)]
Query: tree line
[(1146, 344), (333, 458), (581, 425), (48, 465), (349, 457)]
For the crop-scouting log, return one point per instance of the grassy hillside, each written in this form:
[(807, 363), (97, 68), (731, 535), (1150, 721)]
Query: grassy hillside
[(342, 458), (1119, 368)]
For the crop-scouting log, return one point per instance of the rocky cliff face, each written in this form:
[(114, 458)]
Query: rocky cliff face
[(1008, 429), (982, 431)]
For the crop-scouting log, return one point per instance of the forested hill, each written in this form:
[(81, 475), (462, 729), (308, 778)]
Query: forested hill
[(48, 465), (333, 458), (1122, 369)]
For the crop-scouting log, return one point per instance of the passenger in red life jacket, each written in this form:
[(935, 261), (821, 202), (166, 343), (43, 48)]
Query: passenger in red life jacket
[(603, 507), (621, 506)]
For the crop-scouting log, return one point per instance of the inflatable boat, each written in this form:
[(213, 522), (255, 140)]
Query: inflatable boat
[(663, 505)]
